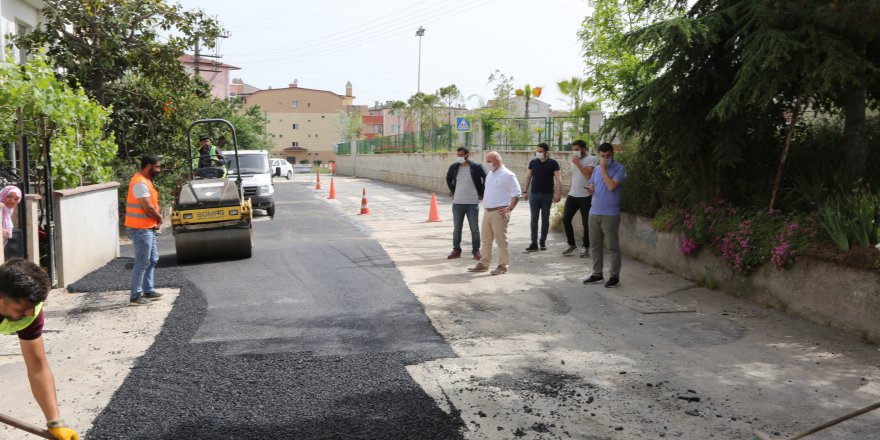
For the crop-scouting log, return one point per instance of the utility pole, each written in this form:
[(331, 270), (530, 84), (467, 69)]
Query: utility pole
[(196, 57)]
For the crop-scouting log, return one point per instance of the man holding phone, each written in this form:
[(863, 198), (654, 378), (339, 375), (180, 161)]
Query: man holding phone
[(606, 184)]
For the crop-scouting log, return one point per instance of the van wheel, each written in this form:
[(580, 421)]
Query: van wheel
[(271, 210), (289, 175)]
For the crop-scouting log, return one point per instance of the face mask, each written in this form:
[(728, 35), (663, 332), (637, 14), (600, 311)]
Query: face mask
[(539, 155), (576, 153), (459, 160)]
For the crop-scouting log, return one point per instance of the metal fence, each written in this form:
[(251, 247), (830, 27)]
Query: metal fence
[(491, 134), (440, 139)]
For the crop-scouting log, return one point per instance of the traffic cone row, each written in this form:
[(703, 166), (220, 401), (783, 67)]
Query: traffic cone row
[(433, 213)]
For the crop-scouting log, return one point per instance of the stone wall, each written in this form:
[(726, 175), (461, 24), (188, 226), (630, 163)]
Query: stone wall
[(817, 291)]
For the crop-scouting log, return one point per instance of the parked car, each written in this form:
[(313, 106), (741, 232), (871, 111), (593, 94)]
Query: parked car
[(281, 167), (256, 178)]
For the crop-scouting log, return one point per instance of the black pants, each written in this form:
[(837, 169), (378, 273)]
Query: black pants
[(572, 206)]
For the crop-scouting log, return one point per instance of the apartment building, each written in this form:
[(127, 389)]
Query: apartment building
[(212, 71), (303, 123), (18, 17)]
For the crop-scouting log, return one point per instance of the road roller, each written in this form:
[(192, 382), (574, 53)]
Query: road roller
[(211, 219)]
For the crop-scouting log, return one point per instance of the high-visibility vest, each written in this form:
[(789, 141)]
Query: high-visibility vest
[(135, 216), (8, 327), (212, 154)]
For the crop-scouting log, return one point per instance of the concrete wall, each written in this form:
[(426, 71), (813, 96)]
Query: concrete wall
[(428, 170), (86, 228), (815, 290)]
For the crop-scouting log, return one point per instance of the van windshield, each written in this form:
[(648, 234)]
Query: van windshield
[(249, 164)]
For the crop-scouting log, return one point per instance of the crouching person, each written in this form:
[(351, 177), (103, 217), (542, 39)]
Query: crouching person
[(23, 288)]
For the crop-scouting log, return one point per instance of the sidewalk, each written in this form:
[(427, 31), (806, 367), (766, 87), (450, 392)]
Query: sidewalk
[(543, 356)]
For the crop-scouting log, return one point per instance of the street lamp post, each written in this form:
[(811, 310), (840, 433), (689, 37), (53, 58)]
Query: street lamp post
[(419, 33)]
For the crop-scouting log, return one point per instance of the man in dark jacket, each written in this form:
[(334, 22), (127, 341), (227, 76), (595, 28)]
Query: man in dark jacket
[(466, 181)]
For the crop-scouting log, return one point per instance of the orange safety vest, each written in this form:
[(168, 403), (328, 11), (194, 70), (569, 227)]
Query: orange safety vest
[(135, 217)]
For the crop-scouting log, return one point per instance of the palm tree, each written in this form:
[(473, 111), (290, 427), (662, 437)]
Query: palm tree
[(575, 88)]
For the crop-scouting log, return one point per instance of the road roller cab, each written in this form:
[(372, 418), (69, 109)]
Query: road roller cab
[(211, 219)]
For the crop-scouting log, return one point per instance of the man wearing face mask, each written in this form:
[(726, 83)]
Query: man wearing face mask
[(466, 180), (579, 198), (606, 183), (142, 220), (545, 180), (501, 196)]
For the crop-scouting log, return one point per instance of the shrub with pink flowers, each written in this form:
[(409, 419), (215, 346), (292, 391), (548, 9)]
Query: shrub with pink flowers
[(745, 240)]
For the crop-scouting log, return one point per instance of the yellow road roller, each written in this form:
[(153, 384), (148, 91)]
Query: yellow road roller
[(211, 219)]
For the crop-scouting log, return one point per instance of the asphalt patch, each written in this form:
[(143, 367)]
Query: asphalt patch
[(184, 390)]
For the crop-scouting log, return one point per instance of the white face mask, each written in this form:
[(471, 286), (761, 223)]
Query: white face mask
[(576, 153), (539, 155), (460, 160)]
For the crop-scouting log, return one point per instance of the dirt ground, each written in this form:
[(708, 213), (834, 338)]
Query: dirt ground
[(93, 341)]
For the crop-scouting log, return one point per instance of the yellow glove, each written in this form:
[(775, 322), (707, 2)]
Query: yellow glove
[(63, 433)]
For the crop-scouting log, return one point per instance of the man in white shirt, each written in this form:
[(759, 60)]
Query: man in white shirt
[(579, 198), (500, 197)]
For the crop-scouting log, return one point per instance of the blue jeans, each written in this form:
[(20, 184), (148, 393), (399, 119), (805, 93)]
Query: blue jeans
[(146, 255), (459, 211), (540, 203)]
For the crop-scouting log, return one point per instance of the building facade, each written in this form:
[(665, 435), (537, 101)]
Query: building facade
[(303, 123), (18, 17), (212, 71)]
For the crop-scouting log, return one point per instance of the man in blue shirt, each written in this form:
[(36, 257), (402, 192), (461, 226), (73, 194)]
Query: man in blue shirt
[(606, 183)]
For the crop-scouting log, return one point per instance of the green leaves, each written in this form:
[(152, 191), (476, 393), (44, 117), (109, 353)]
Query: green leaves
[(67, 117)]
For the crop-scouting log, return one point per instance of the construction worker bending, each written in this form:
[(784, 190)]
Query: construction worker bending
[(23, 288)]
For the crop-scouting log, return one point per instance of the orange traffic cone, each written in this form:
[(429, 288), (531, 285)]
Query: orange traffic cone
[(332, 190), (364, 209), (434, 214), (318, 181)]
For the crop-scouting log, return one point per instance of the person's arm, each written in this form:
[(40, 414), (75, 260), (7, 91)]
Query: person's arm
[(150, 210), (515, 193), (450, 182), (610, 183), (528, 183), (557, 188), (40, 377), (586, 171)]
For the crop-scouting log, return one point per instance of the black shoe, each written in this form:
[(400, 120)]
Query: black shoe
[(543, 246), (612, 282), (139, 301), (152, 296), (532, 248), (593, 279), (569, 250)]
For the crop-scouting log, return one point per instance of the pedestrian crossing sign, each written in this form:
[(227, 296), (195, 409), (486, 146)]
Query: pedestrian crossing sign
[(463, 124)]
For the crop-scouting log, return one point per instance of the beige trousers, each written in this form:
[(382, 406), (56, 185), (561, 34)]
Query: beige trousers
[(495, 228)]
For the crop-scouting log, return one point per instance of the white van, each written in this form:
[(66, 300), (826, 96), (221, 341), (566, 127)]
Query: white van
[(256, 178)]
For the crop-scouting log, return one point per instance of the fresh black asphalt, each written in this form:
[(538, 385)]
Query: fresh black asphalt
[(308, 339)]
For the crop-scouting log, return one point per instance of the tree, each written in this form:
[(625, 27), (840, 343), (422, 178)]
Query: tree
[(449, 95), (614, 63), (423, 107), (350, 125), (397, 108), (99, 42), (575, 88), (51, 111), (502, 89)]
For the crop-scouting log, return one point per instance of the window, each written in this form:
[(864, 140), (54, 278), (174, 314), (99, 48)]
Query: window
[(295, 104), (294, 144), (322, 116), (281, 135), (309, 120), (316, 135), (394, 129), (280, 103), (308, 104), (377, 128), (296, 126)]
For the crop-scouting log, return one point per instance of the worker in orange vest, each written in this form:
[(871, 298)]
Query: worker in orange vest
[(23, 288), (142, 221)]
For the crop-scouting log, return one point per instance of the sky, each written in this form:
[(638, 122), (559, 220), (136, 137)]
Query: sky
[(325, 43)]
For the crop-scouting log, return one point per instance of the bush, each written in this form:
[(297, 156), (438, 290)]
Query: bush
[(852, 218)]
